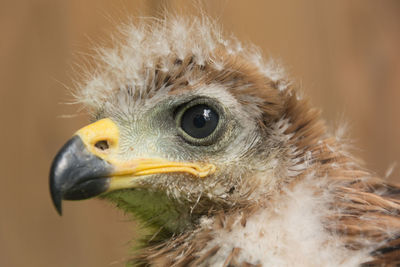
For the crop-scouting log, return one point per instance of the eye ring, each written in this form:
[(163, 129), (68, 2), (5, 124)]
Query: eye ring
[(199, 121)]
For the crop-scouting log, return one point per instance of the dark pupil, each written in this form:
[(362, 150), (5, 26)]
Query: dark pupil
[(199, 121)]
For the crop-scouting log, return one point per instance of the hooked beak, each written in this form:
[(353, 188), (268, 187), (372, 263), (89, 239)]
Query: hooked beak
[(87, 165)]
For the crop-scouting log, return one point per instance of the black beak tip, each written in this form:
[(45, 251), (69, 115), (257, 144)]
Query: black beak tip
[(56, 195), (57, 205)]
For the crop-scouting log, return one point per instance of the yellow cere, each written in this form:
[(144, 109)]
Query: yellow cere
[(101, 130)]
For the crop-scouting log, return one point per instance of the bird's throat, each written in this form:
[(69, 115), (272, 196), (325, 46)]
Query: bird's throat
[(161, 216)]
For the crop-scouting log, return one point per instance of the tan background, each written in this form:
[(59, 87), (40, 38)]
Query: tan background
[(345, 54)]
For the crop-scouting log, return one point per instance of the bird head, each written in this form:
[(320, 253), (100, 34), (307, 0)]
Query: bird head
[(185, 123)]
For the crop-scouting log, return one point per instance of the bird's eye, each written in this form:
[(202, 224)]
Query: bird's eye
[(199, 121)]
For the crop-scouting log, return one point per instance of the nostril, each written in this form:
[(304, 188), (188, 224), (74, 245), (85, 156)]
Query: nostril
[(102, 145)]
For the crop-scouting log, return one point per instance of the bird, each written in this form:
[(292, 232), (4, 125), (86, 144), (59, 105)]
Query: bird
[(219, 156)]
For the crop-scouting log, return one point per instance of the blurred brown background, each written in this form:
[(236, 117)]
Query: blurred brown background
[(345, 54)]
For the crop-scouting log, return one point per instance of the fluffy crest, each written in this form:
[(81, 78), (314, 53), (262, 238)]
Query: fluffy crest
[(158, 45)]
